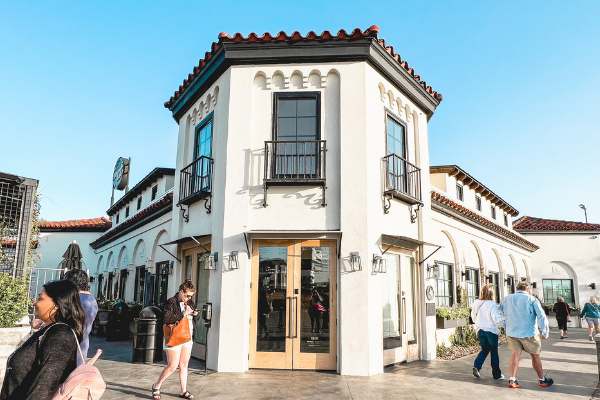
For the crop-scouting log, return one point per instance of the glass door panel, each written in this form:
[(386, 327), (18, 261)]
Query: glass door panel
[(272, 299), (408, 299), (201, 295), (315, 293)]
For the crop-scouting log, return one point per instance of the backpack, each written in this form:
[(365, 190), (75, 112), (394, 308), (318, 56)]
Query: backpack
[(84, 383)]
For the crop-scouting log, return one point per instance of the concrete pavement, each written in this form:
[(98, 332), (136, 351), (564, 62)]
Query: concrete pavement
[(570, 362)]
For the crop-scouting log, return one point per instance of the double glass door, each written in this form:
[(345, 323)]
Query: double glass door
[(294, 307)]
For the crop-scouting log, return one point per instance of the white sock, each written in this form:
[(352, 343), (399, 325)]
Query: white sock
[(512, 378)]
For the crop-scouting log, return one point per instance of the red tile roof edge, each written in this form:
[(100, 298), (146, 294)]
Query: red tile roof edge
[(526, 223), (155, 207), (101, 223), (357, 33), (435, 196)]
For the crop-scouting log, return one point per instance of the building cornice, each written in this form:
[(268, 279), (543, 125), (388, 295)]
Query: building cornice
[(297, 49), (445, 206)]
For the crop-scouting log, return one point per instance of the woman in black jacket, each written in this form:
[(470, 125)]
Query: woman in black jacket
[(178, 307), (36, 369), (562, 311)]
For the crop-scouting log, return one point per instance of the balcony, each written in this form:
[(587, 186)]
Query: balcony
[(196, 181), (402, 179), (295, 163)]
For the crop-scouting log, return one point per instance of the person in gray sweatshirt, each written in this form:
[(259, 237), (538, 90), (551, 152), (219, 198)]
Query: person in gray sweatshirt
[(487, 321)]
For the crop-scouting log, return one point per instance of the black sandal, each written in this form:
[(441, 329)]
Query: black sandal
[(186, 395), (156, 393)]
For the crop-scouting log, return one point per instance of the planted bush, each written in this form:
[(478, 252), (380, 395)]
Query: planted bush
[(13, 299)]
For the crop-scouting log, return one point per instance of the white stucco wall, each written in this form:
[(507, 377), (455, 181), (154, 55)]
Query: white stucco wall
[(567, 255)]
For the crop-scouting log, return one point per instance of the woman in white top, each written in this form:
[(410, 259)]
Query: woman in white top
[(487, 321)]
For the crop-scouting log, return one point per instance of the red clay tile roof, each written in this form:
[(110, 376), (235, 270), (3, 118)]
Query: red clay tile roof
[(526, 223), (372, 31), (441, 199), (152, 209), (100, 224)]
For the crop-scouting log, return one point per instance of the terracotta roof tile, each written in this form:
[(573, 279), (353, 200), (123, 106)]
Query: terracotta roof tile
[(526, 223), (153, 208), (101, 223), (357, 33), (438, 197)]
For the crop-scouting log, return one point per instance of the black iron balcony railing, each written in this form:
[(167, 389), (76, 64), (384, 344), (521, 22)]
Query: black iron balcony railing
[(196, 181), (402, 179), (290, 163)]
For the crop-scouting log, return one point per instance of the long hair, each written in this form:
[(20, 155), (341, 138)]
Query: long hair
[(66, 297), (487, 293)]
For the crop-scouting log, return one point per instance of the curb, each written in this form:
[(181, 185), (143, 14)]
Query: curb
[(596, 394)]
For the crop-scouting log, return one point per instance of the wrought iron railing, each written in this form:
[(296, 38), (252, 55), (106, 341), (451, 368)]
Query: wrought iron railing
[(402, 179), (196, 180), (300, 161)]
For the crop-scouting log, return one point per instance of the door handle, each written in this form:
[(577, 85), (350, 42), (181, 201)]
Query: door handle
[(289, 300), (295, 300), (404, 315)]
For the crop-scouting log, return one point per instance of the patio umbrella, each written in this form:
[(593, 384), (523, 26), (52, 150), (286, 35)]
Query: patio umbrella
[(72, 257)]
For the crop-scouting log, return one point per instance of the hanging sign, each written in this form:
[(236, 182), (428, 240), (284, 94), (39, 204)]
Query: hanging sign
[(121, 173)]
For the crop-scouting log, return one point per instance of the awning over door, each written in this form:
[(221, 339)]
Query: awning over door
[(293, 234), (185, 239), (404, 242)]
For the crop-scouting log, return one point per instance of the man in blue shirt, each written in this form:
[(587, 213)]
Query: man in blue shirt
[(521, 312)]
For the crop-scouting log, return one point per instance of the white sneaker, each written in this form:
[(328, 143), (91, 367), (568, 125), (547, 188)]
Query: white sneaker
[(501, 377), (591, 338)]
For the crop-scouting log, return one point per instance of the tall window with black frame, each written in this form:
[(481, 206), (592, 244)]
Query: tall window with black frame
[(444, 294)]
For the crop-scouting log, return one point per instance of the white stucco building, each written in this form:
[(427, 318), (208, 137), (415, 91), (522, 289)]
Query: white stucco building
[(473, 226), (304, 209), (568, 261)]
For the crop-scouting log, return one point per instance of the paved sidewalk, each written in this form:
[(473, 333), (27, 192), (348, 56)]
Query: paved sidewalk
[(570, 362)]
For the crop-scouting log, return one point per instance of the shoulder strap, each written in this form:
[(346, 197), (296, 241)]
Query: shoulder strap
[(478, 308), (74, 334)]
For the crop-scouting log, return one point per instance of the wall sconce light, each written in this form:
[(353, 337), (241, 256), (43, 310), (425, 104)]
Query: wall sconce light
[(213, 259), (509, 280), (592, 286), (433, 271), (534, 285), (355, 262), (379, 264), (523, 279), (233, 260), (92, 279)]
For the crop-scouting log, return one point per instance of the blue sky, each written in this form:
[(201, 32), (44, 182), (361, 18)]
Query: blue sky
[(83, 83)]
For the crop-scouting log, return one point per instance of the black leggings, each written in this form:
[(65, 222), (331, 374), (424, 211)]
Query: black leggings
[(562, 323)]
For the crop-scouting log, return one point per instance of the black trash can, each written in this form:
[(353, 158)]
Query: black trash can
[(117, 326), (148, 336)]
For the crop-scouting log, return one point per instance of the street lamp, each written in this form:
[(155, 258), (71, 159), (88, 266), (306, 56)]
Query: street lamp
[(584, 210)]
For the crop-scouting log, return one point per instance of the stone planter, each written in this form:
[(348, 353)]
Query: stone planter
[(10, 339), (443, 323), (575, 313)]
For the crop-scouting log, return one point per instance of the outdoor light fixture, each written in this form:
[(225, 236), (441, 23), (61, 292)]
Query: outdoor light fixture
[(212, 261), (378, 264), (92, 279), (233, 260), (534, 285), (585, 211), (592, 286), (433, 271), (355, 262)]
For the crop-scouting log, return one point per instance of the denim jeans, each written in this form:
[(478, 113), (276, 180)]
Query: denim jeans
[(489, 344)]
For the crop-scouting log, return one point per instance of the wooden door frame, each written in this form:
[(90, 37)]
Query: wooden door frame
[(293, 358)]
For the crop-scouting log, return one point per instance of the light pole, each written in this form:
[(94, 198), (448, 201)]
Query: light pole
[(584, 210)]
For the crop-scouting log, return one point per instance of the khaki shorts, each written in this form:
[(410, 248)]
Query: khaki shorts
[(532, 345)]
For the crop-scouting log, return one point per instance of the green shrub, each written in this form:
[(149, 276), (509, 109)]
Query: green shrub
[(105, 304), (464, 336), (13, 299), (454, 312), (442, 351)]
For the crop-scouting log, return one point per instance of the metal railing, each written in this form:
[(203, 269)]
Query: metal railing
[(402, 178), (299, 161), (196, 180)]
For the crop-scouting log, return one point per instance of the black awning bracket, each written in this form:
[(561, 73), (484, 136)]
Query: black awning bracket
[(172, 255), (247, 245), (195, 240), (425, 259)]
